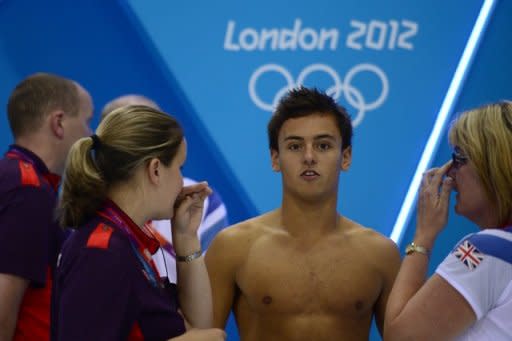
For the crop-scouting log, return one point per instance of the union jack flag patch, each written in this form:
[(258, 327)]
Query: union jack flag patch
[(468, 254)]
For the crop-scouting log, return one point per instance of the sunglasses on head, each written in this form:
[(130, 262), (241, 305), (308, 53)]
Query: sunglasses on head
[(458, 160)]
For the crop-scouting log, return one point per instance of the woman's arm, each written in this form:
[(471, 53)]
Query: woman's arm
[(425, 311), (419, 309), (194, 289)]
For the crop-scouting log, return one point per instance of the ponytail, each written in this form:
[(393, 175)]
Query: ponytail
[(127, 138), (84, 188)]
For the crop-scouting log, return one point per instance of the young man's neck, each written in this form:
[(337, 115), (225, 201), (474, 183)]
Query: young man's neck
[(301, 217)]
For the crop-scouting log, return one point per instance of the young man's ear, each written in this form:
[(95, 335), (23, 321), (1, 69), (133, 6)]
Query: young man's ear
[(56, 118), (153, 170), (346, 160), (274, 157)]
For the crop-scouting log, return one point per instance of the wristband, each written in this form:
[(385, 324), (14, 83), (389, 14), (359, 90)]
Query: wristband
[(412, 248), (189, 258)]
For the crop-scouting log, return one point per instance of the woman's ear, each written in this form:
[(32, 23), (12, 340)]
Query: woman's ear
[(153, 170)]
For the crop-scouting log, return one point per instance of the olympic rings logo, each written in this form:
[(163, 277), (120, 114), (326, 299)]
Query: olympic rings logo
[(352, 95)]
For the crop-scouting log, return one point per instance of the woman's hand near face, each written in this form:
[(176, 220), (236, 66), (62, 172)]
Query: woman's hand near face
[(188, 208), (433, 202), (188, 212)]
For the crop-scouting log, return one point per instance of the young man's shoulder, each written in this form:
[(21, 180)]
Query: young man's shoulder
[(242, 234), (243, 229), (373, 241)]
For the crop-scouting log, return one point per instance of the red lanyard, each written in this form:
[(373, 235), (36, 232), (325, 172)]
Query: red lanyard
[(164, 243), (142, 252)]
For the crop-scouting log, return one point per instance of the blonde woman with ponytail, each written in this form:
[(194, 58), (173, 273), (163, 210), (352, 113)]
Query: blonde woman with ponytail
[(107, 286)]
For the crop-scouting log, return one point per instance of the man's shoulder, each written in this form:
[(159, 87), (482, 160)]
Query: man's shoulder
[(10, 174), (255, 225), (17, 174), (242, 234), (238, 230), (372, 240), (23, 193)]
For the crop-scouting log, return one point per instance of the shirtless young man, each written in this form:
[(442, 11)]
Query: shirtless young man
[(303, 271)]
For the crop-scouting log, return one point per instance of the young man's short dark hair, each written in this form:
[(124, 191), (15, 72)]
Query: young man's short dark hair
[(301, 102)]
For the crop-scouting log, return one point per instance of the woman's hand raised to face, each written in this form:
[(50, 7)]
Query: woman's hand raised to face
[(433, 202), (188, 208)]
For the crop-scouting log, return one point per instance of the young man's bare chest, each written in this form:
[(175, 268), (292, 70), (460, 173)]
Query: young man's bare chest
[(326, 277)]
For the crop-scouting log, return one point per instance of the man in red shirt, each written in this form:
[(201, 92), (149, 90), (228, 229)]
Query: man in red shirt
[(47, 114)]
